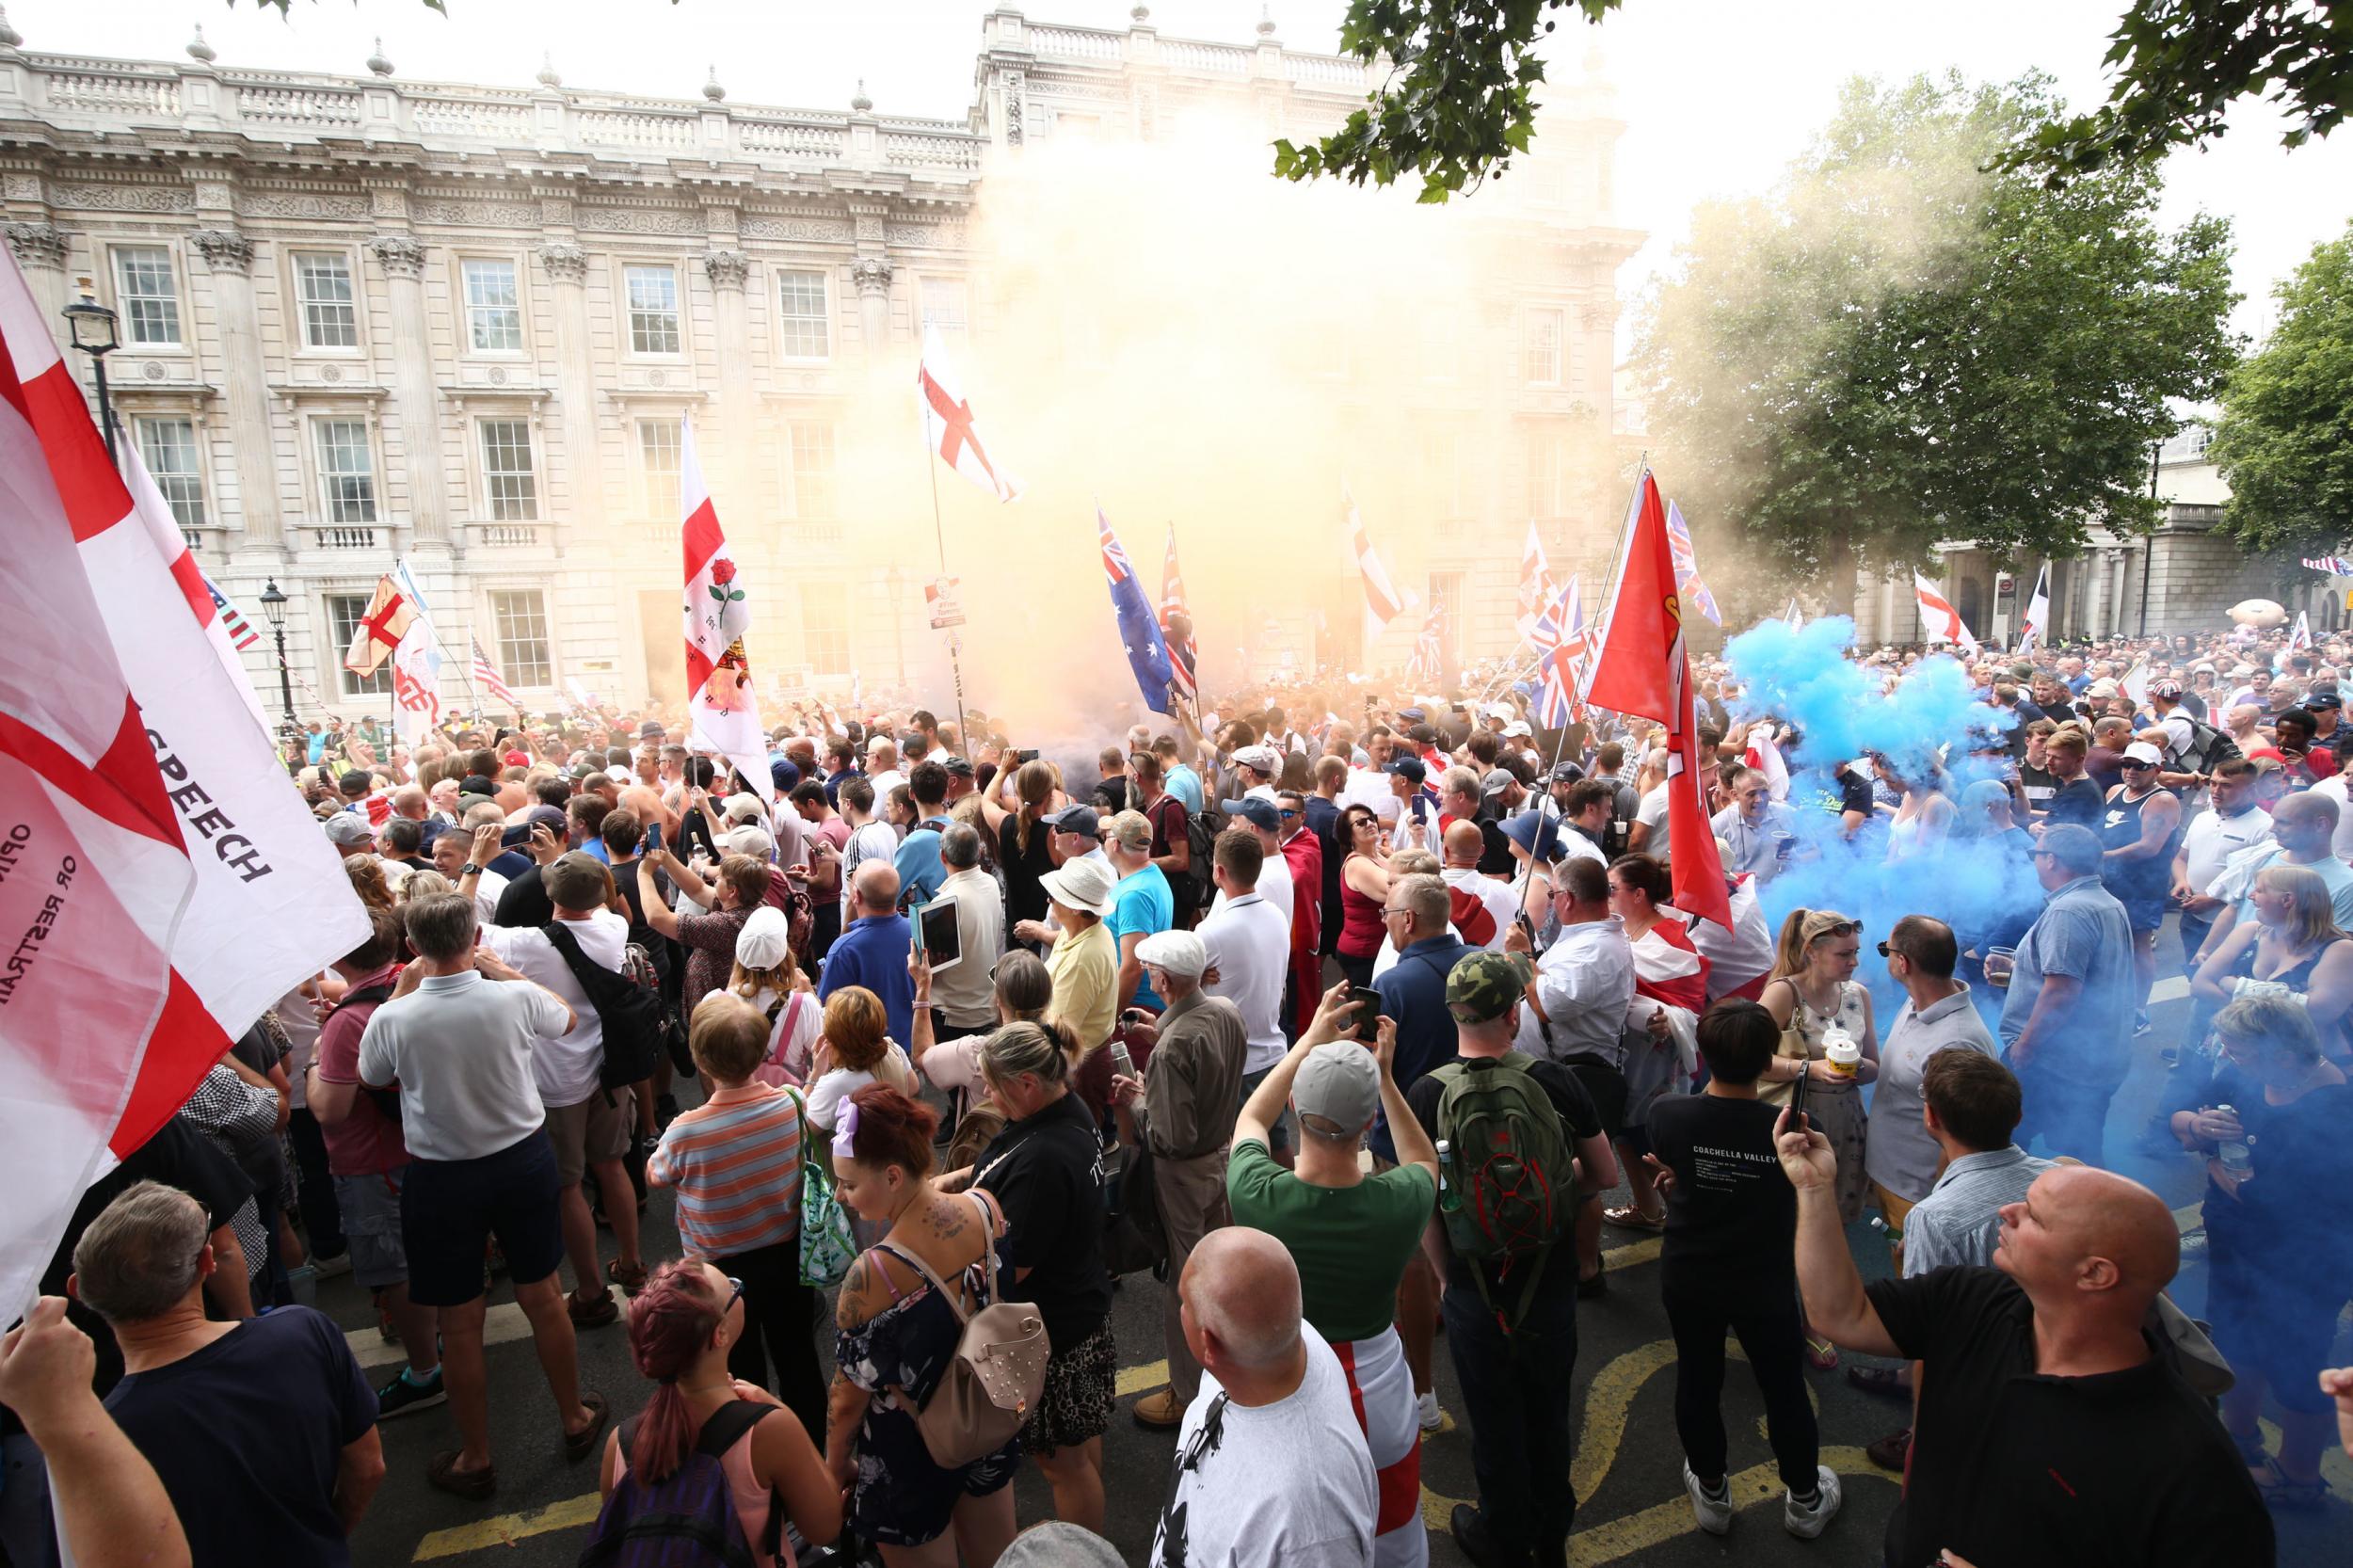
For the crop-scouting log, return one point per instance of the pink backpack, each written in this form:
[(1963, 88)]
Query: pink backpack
[(772, 1070)]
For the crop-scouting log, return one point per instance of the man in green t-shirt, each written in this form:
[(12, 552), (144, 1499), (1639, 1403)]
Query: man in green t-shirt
[(1351, 1233)]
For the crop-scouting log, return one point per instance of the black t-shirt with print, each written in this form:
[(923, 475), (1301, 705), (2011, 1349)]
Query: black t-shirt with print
[(1046, 1173), (1732, 1216)]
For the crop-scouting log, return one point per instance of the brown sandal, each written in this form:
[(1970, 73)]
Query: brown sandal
[(631, 1280), (473, 1485), (579, 1445)]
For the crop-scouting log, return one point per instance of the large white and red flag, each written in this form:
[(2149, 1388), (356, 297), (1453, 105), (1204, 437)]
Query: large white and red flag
[(226, 630), (948, 426), (723, 714), (416, 668), (1939, 619), (1382, 603), (1535, 582), (382, 625), (161, 881), (1644, 669)]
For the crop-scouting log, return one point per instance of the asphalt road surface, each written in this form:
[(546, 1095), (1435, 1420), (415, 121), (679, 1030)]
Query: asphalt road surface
[(1631, 1506)]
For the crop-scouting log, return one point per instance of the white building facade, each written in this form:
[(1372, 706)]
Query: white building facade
[(365, 319)]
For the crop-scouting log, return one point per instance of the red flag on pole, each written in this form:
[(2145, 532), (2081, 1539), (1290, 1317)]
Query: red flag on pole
[(1644, 670)]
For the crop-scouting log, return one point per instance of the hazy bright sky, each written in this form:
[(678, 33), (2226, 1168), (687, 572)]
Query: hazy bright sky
[(1718, 94)]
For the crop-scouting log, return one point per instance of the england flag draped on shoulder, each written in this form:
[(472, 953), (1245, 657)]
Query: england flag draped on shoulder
[(723, 716), (949, 429), (163, 882), (1939, 621)]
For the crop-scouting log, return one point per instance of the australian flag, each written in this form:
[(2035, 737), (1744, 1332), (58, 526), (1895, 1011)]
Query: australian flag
[(1139, 633)]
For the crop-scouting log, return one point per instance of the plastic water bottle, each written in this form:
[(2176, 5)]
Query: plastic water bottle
[(1449, 1196), (2236, 1156)]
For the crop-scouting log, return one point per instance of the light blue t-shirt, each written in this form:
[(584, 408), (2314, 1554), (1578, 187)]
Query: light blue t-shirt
[(1185, 785), (1143, 902), (2082, 933)]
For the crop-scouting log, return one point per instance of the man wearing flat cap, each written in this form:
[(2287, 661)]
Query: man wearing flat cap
[(1183, 1110)]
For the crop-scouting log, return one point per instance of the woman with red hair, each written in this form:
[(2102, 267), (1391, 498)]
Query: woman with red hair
[(680, 1328)]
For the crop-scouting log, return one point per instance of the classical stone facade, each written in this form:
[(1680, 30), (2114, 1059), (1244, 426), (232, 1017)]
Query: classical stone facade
[(464, 327)]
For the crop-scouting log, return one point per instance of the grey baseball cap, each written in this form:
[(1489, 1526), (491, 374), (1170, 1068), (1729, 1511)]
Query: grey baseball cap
[(1340, 1082)]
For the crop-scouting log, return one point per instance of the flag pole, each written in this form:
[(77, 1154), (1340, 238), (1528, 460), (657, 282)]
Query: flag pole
[(939, 542)]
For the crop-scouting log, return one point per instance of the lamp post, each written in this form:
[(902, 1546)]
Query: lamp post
[(93, 329), (274, 606)]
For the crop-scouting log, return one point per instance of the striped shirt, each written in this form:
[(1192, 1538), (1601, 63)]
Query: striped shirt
[(736, 1163)]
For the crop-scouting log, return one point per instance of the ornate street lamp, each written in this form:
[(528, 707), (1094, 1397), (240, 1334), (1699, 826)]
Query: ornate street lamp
[(274, 606), (91, 326)]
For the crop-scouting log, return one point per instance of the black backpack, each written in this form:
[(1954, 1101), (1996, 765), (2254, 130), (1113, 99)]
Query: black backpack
[(690, 1518), (628, 1005), (1201, 847), (2208, 747)]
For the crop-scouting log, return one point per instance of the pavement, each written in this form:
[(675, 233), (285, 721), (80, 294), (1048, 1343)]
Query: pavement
[(1627, 1477)]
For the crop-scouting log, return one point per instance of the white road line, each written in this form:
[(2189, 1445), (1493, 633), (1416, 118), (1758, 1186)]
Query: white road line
[(2171, 988)]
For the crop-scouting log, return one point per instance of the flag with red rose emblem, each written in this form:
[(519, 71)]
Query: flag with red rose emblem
[(722, 717)]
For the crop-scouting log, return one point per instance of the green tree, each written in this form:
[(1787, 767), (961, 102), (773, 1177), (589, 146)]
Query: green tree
[(1899, 346), (2285, 440), (1459, 100)]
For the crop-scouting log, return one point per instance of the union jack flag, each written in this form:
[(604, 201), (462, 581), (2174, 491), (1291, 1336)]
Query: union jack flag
[(241, 632), (1430, 647), (1563, 641), (1183, 652), (486, 675), (1688, 584)]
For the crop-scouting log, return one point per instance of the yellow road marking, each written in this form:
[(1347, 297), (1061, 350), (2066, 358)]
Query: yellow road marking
[(507, 1528), (1608, 1400), (1140, 1380)]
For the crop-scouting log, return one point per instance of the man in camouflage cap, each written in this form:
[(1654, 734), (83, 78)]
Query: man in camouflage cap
[(1517, 1402), (1483, 987)]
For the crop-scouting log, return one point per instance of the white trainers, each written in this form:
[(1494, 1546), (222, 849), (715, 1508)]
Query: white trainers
[(1433, 1418), (1806, 1523), (1714, 1513)]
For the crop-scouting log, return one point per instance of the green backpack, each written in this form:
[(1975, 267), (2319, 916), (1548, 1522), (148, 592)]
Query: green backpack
[(1511, 1181)]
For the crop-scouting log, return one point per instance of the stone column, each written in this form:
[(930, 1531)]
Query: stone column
[(739, 416), (245, 378), (402, 257), (40, 250), (873, 273), (575, 390)]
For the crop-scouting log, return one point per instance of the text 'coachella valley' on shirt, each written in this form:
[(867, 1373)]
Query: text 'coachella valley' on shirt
[(1732, 1216)]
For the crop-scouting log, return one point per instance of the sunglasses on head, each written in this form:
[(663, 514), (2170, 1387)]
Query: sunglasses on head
[(1844, 928)]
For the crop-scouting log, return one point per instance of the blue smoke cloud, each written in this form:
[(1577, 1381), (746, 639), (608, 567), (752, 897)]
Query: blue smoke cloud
[(1805, 677)]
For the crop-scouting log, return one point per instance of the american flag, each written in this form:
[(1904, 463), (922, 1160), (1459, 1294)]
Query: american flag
[(1183, 652), (1562, 639), (1686, 564), (1430, 647), (241, 632), (486, 675)]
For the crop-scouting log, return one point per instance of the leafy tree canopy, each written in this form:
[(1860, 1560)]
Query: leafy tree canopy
[(2286, 439), (1459, 101), (1899, 346)]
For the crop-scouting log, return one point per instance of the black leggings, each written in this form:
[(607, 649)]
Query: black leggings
[(1358, 971), (1770, 1337), (778, 1309)]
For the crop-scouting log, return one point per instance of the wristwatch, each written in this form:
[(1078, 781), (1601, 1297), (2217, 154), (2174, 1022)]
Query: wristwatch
[(473, 869)]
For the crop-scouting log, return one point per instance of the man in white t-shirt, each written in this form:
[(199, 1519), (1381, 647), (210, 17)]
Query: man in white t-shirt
[(1461, 873), (1272, 1468), (456, 1039), (590, 1128), (449, 858), (2232, 822), (1249, 943), (882, 766), (1368, 785)]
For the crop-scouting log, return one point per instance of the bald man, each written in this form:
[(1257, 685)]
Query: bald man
[(1270, 1453), (1471, 893), (871, 949), (2053, 1427)]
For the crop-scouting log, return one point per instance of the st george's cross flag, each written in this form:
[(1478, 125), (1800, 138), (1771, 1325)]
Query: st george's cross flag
[(949, 429), (2035, 626), (722, 712), (1535, 583), (1644, 669), (164, 883), (1938, 620), (1687, 584), (1382, 603), (382, 624), (487, 676), (1139, 633), (1184, 649)]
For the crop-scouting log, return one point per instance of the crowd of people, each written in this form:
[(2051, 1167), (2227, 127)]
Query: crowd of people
[(1342, 1015)]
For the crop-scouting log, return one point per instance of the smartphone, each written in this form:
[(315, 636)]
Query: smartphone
[(653, 839), (519, 834), (1364, 1005), (1797, 1120), (1029, 756)]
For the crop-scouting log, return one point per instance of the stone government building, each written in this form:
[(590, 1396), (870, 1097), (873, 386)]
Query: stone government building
[(363, 317)]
